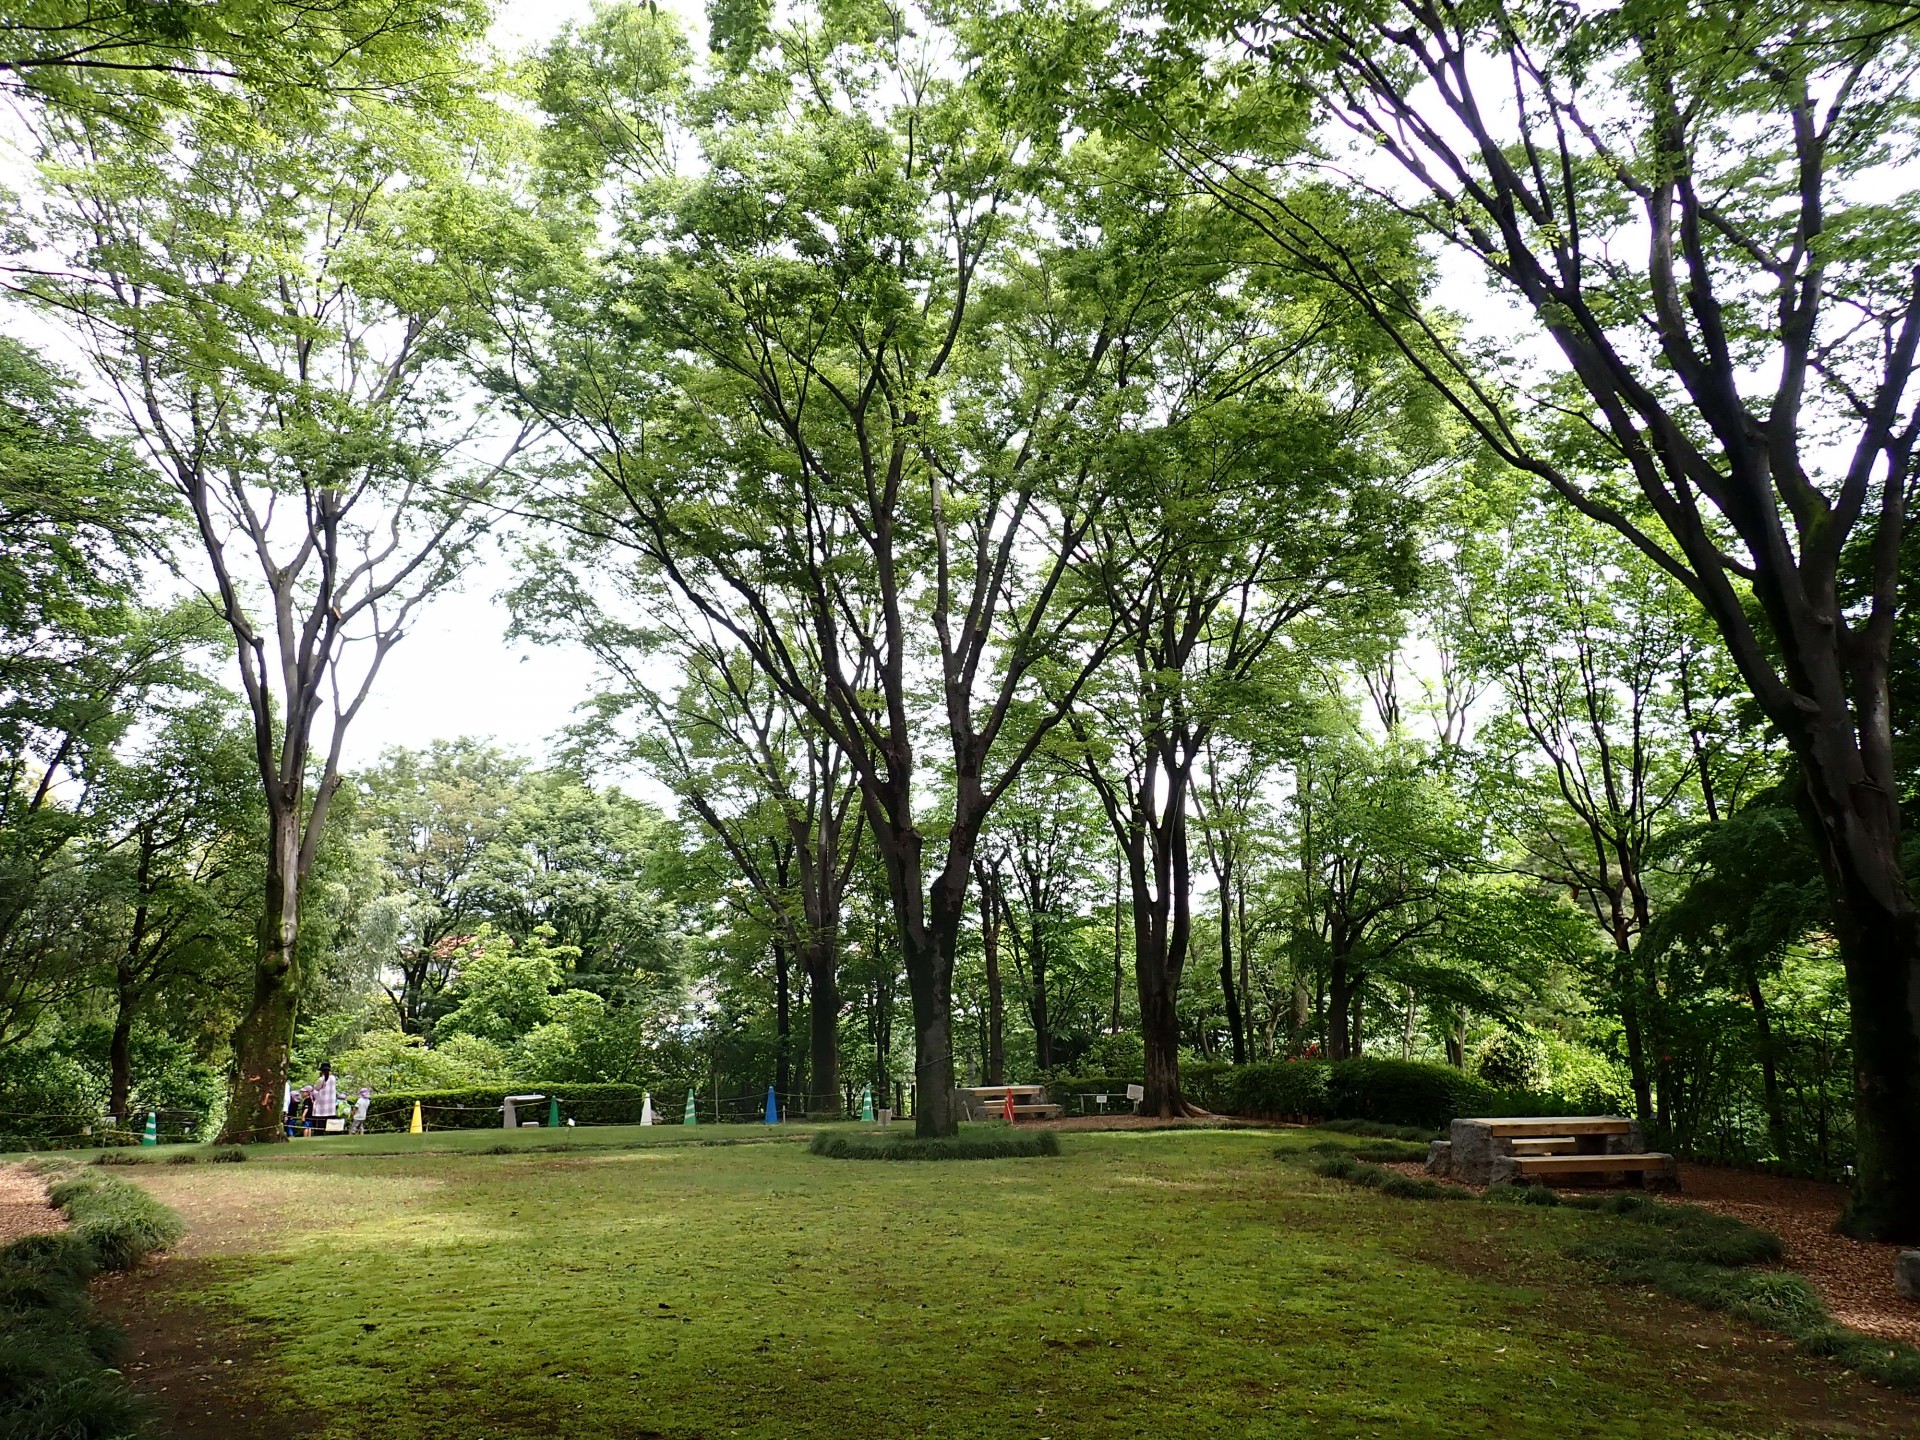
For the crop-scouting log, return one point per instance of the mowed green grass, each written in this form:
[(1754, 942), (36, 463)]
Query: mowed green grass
[(1141, 1284)]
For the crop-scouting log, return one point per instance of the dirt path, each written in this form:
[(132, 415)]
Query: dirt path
[(23, 1205)]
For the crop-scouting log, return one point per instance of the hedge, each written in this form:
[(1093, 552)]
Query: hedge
[(1381, 1091), (477, 1107), (989, 1144)]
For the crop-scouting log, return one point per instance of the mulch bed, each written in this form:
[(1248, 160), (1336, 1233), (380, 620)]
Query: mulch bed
[(1854, 1277), (23, 1206)]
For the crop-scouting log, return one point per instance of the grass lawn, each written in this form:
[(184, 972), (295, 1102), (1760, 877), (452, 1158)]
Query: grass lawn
[(646, 1284)]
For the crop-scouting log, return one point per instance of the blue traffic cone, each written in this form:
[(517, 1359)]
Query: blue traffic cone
[(773, 1108)]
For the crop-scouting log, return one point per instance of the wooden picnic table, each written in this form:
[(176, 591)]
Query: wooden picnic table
[(1028, 1100)]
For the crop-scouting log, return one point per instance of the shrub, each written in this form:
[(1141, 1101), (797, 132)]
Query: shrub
[(1401, 1092), (1382, 1132), (1277, 1090), (1512, 1061), (967, 1145), (121, 1223)]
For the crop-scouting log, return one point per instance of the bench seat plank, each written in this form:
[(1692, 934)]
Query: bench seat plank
[(1555, 1126), (1588, 1164)]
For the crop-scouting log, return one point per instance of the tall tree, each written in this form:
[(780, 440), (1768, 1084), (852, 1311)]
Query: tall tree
[(1254, 499), (274, 298), (179, 856), (772, 791), (1611, 731), (1698, 209), (835, 386)]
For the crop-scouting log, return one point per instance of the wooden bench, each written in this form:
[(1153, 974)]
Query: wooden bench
[(1650, 1167), (1029, 1101)]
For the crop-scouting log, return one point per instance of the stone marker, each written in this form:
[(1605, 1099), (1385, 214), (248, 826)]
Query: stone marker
[(1906, 1274)]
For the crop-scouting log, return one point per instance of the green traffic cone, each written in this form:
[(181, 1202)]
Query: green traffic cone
[(152, 1137), (690, 1117), (866, 1105), (553, 1112)]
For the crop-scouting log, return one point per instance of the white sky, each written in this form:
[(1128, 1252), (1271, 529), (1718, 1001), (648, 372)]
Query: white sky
[(457, 674)]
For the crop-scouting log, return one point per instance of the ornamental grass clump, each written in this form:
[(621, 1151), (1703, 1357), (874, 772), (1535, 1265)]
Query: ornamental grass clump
[(116, 1218), (967, 1145), (56, 1359)]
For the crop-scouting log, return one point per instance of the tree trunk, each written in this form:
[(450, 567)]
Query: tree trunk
[(782, 1023), (1227, 984), (1160, 936), (120, 1053), (1343, 985), (996, 1005), (1636, 1056), (263, 1041), (823, 1027), (1878, 928), (1769, 1063), (1037, 1004)]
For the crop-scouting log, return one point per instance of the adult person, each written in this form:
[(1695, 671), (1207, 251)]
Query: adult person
[(325, 1104)]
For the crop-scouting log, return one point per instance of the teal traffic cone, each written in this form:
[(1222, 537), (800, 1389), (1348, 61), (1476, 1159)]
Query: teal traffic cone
[(553, 1113), (773, 1108), (690, 1118), (866, 1105), (152, 1137)]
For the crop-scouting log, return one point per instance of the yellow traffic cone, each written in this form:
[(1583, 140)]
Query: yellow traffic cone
[(416, 1128)]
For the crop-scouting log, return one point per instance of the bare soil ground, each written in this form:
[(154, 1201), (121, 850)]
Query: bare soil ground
[(23, 1205)]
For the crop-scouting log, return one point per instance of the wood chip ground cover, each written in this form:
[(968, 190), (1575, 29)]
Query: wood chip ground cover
[(1158, 1283)]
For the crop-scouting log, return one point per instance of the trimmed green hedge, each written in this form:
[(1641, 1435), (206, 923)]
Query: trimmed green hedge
[(478, 1107), (1378, 1091), (1006, 1144)]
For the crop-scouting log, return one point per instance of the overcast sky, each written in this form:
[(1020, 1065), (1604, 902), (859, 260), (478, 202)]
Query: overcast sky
[(457, 674)]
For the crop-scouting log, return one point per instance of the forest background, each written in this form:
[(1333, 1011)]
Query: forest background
[(1070, 625)]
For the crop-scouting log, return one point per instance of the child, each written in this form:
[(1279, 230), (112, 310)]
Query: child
[(360, 1104), (293, 1112)]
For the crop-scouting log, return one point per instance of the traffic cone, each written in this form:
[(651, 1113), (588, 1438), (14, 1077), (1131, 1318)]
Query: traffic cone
[(1006, 1111), (152, 1137), (773, 1108), (690, 1118), (553, 1112), (646, 1107), (417, 1127), (866, 1106)]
